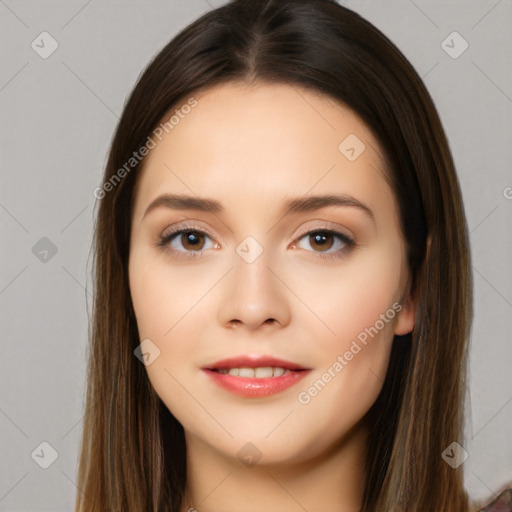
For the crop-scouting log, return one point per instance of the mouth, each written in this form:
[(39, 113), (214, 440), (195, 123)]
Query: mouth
[(261, 372), (255, 375)]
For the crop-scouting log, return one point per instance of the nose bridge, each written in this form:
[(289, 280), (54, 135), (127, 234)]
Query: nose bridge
[(254, 294)]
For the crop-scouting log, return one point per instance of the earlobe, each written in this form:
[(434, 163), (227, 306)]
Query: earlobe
[(405, 318)]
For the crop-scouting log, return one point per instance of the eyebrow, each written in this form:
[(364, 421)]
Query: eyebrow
[(301, 204)]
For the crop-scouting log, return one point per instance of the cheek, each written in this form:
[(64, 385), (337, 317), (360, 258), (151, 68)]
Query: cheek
[(165, 294), (360, 307), (166, 302), (351, 296), (174, 308)]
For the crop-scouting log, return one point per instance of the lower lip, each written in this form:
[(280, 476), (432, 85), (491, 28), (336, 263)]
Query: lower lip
[(247, 387)]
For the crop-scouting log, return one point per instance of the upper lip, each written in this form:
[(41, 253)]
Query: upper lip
[(254, 361)]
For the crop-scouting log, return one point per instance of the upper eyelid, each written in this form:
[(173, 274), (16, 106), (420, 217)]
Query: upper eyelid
[(185, 227), (190, 227), (326, 226)]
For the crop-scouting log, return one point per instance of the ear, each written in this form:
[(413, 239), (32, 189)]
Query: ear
[(406, 316), (405, 319)]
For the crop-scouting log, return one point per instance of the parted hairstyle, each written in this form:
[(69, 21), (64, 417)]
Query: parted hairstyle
[(133, 453)]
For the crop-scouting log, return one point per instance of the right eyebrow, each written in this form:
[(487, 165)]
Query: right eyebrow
[(183, 202)]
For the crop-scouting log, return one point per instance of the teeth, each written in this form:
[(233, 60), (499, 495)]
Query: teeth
[(245, 372), (265, 372), (258, 373)]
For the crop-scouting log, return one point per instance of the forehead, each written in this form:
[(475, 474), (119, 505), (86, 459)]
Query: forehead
[(242, 143)]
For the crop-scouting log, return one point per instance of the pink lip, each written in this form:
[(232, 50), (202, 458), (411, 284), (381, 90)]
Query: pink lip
[(247, 387), (254, 361)]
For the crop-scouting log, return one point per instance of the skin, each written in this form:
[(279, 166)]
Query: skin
[(251, 148)]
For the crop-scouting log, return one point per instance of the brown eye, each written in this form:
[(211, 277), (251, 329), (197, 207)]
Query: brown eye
[(192, 240), (187, 241), (327, 243), (321, 240)]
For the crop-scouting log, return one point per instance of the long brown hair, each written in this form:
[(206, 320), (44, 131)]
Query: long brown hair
[(133, 449)]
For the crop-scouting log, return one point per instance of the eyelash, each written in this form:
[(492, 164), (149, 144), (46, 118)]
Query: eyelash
[(165, 240)]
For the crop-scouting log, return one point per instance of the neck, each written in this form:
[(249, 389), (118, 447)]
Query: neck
[(332, 480)]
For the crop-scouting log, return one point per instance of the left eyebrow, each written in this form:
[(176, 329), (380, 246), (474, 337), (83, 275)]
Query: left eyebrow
[(294, 205), (311, 203)]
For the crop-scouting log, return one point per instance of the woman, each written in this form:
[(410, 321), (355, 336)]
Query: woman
[(283, 287)]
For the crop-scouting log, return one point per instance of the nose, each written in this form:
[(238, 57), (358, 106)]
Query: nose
[(253, 296)]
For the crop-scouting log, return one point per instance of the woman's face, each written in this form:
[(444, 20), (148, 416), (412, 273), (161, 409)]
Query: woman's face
[(253, 277)]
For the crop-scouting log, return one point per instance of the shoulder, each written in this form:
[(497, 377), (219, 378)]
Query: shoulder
[(503, 503)]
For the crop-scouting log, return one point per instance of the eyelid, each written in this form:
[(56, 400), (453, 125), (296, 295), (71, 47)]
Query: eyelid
[(165, 237), (186, 225), (304, 230), (322, 225), (325, 226)]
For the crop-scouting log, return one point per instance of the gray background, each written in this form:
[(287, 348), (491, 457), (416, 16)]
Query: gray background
[(58, 115)]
